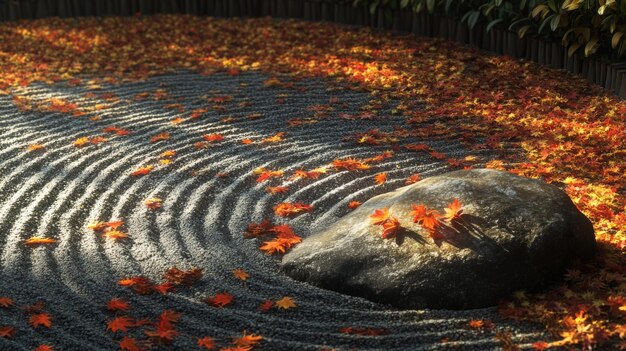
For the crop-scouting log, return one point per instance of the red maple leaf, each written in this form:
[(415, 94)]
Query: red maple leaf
[(117, 304), (6, 331), (120, 324), (287, 209), (207, 342), (40, 319), (220, 300), (379, 216), (129, 344), (391, 228)]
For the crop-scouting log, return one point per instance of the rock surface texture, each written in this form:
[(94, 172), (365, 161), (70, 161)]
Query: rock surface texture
[(514, 233)]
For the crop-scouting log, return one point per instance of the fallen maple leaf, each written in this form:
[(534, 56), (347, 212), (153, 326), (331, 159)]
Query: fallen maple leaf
[(390, 228), (241, 274), (81, 142), (453, 211), (276, 138), (187, 278), (220, 300), (159, 137), (379, 216), (40, 319), (212, 138), (265, 174), (266, 306), (287, 209), (38, 240), (6, 331), (33, 147), (274, 246), (153, 203), (97, 226), (247, 340), (418, 212), (354, 204), (117, 304), (350, 164), (380, 178), (120, 324), (6, 302), (207, 342), (412, 179), (285, 303), (247, 141), (258, 229), (168, 154), (115, 234), (44, 347), (277, 189), (141, 171), (129, 344)]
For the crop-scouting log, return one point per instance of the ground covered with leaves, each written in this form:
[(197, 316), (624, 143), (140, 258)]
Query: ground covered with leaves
[(154, 169)]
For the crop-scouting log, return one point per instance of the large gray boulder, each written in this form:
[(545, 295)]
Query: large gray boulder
[(514, 233)]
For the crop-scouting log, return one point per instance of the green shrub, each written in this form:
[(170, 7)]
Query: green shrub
[(589, 27)]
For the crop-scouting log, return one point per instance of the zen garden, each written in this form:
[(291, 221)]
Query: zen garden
[(312, 175)]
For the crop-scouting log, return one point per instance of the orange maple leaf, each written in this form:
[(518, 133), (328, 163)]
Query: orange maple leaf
[(33, 147), (6, 331), (379, 216), (247, 340), (98, 225), (207, 342), (114, 234), (417, 147), (81, 141), (168, 154), (117, 304), (220, 300), (120, 324), (285, 303), (212, 138), (380, 178), (350, 164), (453, 210), (354, 204), (418, 212), (287, 209), (97, 140), (247, 141), (258, 229), (129, 344), (412, 179), (141, 171), (277, 189), (241, 274), (40, 319), (159, 137), (44, 347), (38, 240), (390, 228), (265, 174), (6, 302), (430, 220), (274, 246), (276, 138)]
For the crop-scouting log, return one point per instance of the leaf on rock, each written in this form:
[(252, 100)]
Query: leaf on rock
[(379, 216), (390, 228), (453, 211)]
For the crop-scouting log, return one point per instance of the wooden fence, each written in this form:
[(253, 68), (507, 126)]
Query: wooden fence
[(611, 75)]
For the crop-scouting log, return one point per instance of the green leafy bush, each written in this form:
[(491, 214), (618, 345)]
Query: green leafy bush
[(589, 27)]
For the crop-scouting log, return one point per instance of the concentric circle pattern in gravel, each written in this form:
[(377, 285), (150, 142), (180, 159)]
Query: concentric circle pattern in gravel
[(57, 191)]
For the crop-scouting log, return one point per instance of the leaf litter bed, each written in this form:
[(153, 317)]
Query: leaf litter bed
[(187, 133)]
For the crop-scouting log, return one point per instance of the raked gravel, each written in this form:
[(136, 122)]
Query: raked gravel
[(57, 191)]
